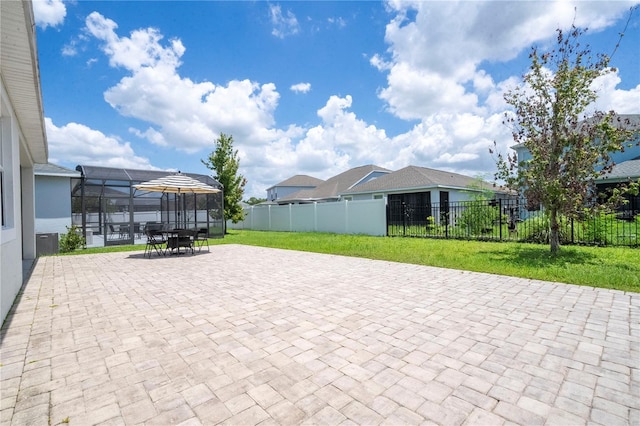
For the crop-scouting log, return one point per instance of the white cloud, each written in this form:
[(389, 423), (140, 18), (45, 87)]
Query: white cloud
[(285, 24), (142, 49), (76, 143), (610, 98), (301, 87), (69, 50), (379, 63), (49, 13), (435, 55), (339, 21), (186, 115), (415, 93)]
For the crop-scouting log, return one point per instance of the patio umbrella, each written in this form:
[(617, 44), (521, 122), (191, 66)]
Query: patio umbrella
[(177, 184)]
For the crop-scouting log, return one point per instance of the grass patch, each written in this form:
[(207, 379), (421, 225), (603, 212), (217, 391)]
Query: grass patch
[(606, 267)]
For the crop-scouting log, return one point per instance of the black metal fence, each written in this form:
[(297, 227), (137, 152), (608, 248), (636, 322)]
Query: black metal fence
[(508, 220)]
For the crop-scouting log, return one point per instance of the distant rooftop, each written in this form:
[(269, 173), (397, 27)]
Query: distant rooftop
[(623, 171), (299, 180), (51, 169), (413, 177), (333, 187)]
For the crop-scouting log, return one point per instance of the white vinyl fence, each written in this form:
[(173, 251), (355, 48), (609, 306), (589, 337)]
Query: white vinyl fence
[(367, 217)]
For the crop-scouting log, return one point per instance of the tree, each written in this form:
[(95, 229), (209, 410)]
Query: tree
[(224, 162), (569, 148), (253, 201)]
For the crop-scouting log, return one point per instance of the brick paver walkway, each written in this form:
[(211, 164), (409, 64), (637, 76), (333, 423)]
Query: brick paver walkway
[(248, 335)]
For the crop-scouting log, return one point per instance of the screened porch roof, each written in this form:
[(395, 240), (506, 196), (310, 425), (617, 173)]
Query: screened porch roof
[(133, 175)]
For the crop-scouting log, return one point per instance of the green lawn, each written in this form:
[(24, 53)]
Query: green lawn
[(606, 267)]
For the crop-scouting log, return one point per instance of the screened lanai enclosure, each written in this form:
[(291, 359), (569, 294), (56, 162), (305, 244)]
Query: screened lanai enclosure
[(110, 211)]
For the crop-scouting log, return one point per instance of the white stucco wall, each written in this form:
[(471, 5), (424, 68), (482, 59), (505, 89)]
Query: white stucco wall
[(11, 232)]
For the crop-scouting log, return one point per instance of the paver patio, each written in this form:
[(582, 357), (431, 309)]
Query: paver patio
[(248, 335)]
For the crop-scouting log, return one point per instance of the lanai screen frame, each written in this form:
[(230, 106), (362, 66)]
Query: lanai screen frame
[(105, 203)]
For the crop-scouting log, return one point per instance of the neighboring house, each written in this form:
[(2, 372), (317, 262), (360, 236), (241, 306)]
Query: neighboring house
[(624, 172), (293, 184), (23, 143), (626, 168), (420, 185), (53, 198), (415, 193), (629, 153), (331, 189)]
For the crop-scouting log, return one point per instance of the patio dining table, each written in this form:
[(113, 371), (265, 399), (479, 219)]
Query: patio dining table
[(179, 238)]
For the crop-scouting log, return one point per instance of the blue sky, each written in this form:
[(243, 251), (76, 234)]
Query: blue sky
[(313, 87)]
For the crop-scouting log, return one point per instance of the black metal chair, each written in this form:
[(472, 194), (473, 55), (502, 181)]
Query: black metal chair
[(201, 238), (181, 238), (155, 241)]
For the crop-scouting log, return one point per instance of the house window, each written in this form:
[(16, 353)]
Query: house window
[(348, 198), (377, 196)]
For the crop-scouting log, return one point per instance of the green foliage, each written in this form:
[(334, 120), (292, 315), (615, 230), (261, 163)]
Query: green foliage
[(537, 230), (597, 229), (431, 223), (72, 240), (593, 228), (569, 149), (253, 201), (224, 162), (478, 218), (605, 228)]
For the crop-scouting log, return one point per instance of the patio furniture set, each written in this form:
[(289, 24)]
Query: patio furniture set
[(171, 242)]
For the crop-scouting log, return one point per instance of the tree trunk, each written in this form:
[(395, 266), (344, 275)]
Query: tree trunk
[(554, 237)]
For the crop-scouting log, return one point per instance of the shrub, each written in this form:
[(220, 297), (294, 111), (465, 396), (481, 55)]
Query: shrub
[(72, 239), (537, 230), (478, 217), (598, 228)]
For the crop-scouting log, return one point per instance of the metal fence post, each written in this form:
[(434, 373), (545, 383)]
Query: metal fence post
[(500, 217), (404, 218), (572, 235)]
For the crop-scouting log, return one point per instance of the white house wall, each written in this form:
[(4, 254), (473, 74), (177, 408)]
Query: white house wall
[(22, 143), (11, 233), (455, 195)]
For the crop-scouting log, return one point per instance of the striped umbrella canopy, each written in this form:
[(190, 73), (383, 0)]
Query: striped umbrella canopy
[(177, 184)]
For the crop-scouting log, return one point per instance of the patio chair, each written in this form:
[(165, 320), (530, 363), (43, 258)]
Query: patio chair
[(181, 238), (201, 238), (155, 241), (111, 233), (123, 231)]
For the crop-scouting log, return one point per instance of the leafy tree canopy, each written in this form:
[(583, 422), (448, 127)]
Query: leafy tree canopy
[(224, 163), (253, 201)]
